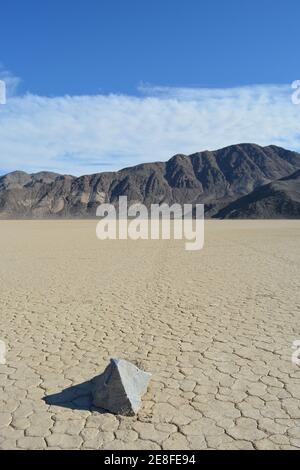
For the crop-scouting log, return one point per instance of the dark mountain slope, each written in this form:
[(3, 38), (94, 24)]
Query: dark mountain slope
[(215, 178), (279, 199)]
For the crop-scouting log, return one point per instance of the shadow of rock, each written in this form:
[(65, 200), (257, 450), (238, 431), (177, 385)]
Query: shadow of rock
[(77, 397), (119, 389)]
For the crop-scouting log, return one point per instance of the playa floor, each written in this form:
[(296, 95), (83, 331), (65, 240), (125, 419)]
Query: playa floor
[(214, 327)]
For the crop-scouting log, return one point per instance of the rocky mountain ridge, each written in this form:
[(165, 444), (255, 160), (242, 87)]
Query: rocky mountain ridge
[(220, 179)]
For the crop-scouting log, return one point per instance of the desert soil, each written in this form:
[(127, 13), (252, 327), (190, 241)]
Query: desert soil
[(214, 327)]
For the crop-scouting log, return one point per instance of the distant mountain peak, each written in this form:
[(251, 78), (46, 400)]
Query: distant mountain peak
[(216, 178)]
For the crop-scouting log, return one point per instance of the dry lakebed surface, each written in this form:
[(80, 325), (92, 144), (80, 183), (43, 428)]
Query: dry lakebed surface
[(214, 327)]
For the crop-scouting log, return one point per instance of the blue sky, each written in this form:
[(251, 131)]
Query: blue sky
[(100, 84), (86, 46)]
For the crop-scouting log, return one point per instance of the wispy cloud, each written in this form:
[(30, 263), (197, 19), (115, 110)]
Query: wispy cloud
[(86, 134)]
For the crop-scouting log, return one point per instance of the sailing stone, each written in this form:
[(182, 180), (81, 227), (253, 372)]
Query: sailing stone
[(120, 388)]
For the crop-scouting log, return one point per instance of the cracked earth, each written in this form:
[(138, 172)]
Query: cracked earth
[(214, 327)]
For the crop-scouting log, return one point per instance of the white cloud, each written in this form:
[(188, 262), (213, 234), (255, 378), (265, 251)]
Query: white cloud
[(87, 134)]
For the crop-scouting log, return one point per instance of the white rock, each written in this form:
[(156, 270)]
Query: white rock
[(120, 388)]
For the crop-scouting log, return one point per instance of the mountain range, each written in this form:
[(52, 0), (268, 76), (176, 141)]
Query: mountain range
[(239, 181)]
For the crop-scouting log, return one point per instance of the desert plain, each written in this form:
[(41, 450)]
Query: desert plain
[(215, 328)]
